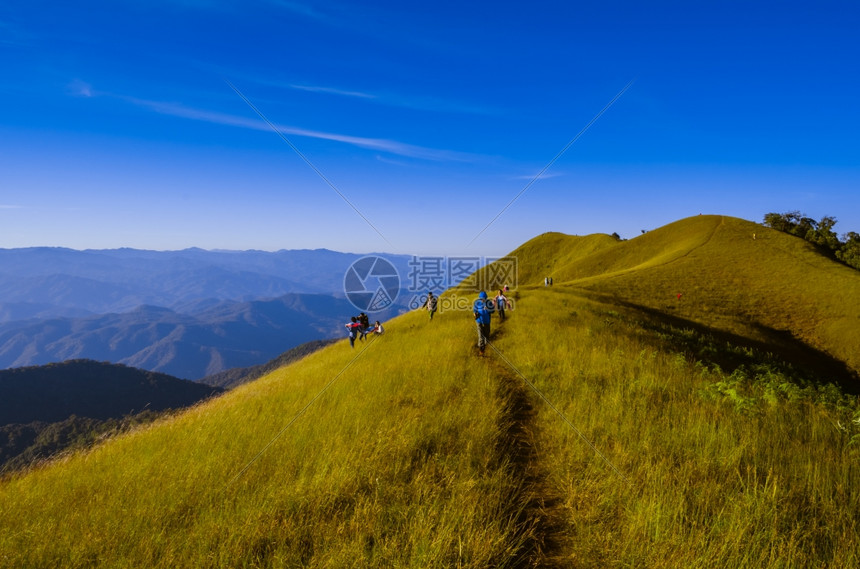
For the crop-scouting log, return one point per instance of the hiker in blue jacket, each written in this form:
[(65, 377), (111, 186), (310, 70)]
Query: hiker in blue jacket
[(482, 309)]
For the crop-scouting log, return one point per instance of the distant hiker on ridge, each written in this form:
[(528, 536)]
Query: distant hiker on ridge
[(430, 304), (501, 304), (482, 309)]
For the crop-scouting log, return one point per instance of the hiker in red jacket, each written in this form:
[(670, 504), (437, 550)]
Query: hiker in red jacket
[(353, 326)]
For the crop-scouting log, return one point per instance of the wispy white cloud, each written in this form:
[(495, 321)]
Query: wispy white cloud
[(378, 144), (437, 104), (333, 91), (381, 97), (387, 160), (419, 103), (542, 176), (80, 88)]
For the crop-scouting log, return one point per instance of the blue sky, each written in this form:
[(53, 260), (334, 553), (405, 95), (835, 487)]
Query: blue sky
[(120, 125)]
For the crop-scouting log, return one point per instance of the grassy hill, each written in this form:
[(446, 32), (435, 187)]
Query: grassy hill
[(773, 288), (600, 431)]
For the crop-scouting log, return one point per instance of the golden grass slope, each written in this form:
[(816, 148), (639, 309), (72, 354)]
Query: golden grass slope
[(420, 454), (719, 469), (411, 451), (731, 274), (395, 464)]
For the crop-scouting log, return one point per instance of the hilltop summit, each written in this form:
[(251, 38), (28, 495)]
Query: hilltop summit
[(721, 272)]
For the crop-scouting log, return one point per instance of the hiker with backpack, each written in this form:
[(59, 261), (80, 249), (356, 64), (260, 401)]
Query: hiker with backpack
[(481, 310), (365, 326), (430, 304)]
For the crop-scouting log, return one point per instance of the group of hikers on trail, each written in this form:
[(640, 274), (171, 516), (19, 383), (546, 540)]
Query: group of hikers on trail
[(483, 309), (359, 327)]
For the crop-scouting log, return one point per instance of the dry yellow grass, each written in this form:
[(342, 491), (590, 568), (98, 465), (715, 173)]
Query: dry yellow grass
[(413, 452)]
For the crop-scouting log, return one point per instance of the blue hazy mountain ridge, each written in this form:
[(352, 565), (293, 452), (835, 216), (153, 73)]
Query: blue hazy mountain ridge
[(188, 313), (56, 294), (189, 346), (10, 311), (32, 280)]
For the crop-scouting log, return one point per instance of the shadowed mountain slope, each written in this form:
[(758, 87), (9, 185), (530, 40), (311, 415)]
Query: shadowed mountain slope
[(45, 410), (92, 389)]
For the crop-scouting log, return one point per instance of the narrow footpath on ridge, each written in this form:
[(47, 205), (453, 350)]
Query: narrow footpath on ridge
[(534, 506)]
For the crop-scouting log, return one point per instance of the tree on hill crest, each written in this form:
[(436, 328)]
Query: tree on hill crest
[(818, 233)]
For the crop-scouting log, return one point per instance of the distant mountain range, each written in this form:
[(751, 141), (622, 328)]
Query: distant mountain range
[(188, 313), (44, 282), (227, 335)]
